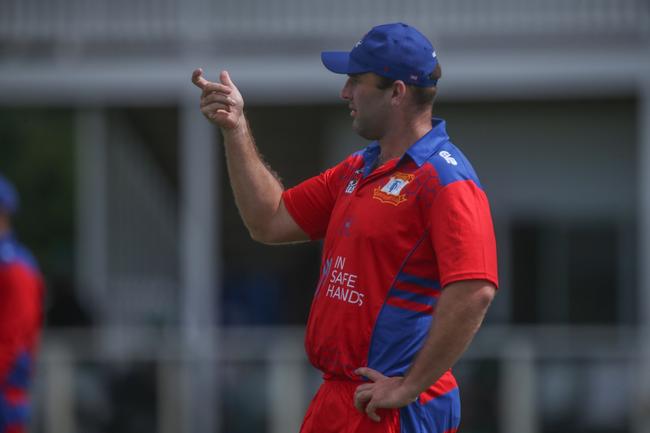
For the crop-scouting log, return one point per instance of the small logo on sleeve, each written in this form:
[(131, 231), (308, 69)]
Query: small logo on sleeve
[(351, 186), (447, 157), (391, 193)]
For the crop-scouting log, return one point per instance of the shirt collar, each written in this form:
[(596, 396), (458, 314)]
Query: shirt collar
[(370, 155), (419, 152), (428, 144)]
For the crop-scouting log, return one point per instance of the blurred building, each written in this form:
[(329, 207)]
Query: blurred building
[(550, 99)]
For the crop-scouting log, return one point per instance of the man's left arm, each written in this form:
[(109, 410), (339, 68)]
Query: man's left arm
[(459, 314)]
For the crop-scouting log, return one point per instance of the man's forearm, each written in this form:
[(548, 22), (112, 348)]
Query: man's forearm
[(256, 189), (459, 314)]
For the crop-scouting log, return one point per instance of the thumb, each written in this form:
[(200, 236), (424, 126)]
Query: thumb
[(224, 77), (197, 78)]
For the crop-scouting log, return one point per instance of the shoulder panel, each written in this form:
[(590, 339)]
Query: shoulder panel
[(451, 165)]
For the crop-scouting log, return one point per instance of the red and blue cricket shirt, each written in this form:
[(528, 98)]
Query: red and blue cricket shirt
[(21, 296), (394, 237)]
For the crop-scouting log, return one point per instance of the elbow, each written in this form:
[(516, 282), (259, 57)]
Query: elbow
[(485, 295), (258, 235), (262, 234), (477, 294)]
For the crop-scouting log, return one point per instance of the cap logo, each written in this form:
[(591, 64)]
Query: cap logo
[(433, 54)]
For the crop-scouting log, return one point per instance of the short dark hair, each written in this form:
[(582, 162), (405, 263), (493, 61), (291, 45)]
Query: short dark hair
[(424, 96)]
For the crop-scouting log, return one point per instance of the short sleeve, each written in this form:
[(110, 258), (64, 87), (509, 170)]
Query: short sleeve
[(310, 203), (463, 234)]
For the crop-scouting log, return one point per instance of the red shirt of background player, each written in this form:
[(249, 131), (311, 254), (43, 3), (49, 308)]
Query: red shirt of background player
[(21, 295)]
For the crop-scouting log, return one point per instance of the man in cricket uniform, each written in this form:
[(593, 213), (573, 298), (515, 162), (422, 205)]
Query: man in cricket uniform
[(21, 295), (409, 259)]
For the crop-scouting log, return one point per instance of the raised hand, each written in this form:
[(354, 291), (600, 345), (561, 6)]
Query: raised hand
[(383, 393), (221, 103)]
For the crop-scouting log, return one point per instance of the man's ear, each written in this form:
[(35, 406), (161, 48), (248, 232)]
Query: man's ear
[(399, 92)]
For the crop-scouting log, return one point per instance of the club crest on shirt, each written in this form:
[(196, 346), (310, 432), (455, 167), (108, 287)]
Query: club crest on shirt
[(391, 193)]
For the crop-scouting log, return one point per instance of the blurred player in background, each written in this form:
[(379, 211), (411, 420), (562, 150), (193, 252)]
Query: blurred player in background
[(21, 296), (409, 259)]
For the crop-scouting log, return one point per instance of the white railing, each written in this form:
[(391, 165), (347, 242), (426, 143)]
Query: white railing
[(289, 382), (175, 20)]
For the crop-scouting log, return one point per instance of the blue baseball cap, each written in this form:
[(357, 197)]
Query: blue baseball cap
[(8, 196), (397, 51)]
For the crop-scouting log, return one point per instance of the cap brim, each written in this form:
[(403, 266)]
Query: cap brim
[(336, 61)]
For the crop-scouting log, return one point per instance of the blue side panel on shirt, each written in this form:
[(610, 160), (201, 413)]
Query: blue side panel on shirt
[(414, 279), (12, 414), (452, 165), (20, 373), (413, 297), (397, 338), (436, 416)]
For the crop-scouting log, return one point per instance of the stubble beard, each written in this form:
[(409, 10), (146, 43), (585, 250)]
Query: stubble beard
[(364, 130)]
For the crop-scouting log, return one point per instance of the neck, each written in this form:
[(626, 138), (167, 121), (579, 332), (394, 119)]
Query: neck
[(402, 135)]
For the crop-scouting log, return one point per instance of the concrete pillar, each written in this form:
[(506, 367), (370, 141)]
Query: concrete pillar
[(517, 389), (287, 383), (169, 381), (92, 201), (200, 269), (59, 392)]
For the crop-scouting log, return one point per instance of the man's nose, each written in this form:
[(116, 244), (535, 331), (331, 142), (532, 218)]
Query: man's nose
[(345, 91)]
